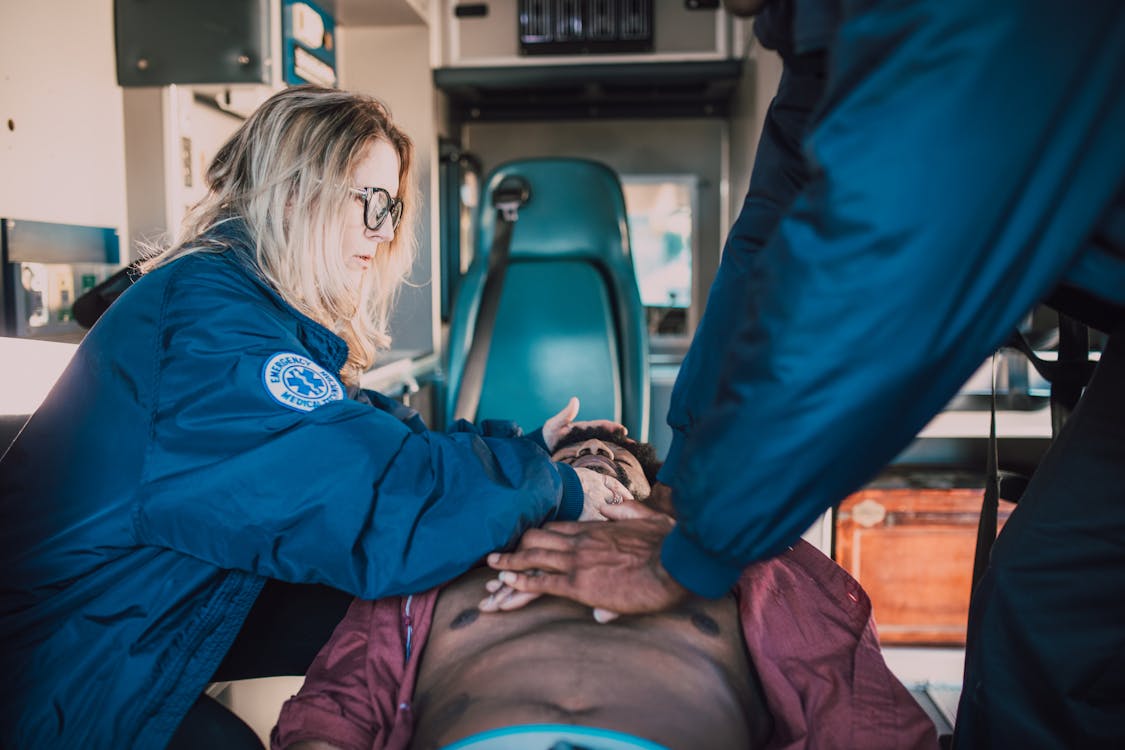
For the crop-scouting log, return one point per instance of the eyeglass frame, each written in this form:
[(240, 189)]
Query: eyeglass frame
[(392, 204)]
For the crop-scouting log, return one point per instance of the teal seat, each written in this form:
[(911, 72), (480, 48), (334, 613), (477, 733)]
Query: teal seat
[(570, 320)]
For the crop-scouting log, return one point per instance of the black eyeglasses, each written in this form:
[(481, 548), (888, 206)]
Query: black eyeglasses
[(377, 206)]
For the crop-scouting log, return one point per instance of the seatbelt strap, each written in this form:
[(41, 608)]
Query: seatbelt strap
[(512, 193)]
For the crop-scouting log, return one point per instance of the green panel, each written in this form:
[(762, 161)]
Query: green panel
[(571, 276), (554, 339)]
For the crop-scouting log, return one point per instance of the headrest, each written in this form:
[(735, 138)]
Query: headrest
[(576, 209)]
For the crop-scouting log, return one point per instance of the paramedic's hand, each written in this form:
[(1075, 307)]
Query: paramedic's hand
[(604, 497), (613, 567), (503, 598), (556, 428)]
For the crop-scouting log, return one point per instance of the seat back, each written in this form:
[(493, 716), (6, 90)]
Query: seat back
[(570, 320)]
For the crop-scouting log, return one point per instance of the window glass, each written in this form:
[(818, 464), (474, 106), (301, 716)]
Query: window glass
[(661, 225)]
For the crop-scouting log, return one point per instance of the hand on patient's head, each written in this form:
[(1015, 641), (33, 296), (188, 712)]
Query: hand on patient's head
[(559, 426), (609, 453)]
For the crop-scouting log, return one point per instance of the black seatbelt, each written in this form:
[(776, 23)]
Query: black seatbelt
[(512, 192)]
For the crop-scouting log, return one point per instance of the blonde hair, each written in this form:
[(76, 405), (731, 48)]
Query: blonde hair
[(287, 173)]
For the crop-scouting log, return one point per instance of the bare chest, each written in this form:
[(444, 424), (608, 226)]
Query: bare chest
[(680, 678)]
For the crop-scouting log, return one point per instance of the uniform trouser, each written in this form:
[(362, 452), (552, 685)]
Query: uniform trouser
[(286, 627), (1045, 661)]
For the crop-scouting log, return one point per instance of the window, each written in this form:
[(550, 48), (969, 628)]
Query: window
[(662, 232)]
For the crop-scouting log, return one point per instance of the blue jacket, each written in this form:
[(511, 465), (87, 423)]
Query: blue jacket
[(965, 161), (198, 443)]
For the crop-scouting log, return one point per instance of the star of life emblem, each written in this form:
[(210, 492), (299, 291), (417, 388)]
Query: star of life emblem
[(299, 383)]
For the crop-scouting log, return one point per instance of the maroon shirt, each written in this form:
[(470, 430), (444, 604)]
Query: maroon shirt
[(808, 631)]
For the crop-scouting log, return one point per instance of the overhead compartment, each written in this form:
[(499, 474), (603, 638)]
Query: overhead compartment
[(563, 59)]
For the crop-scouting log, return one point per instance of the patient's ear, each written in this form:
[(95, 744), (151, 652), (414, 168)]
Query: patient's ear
[(661, 499)]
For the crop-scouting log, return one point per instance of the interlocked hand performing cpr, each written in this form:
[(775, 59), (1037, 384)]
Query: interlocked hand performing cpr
[(613, 567)]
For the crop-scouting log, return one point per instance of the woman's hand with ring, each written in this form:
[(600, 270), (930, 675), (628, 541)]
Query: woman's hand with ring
[(605, 498)]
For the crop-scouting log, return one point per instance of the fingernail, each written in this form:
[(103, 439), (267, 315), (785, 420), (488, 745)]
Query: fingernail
[(602, 616), (507, 577), (486, 604), (493, 558)]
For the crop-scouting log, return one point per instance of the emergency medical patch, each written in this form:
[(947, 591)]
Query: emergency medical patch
[(299, 383)]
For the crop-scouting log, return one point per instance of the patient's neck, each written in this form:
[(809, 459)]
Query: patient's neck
[(681, 679)]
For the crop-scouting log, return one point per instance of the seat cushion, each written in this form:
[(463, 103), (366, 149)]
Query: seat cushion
[(554, 338)]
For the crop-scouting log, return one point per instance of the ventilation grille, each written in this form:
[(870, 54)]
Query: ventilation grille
[(535, 21), (577, 27), (636, 19)]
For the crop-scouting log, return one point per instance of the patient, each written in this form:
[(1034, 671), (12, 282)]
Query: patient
[(788, 659)]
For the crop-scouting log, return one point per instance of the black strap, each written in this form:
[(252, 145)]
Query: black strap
[(1074, 355), (93, 304), (1070, 371), (986, 528), (1068, 375), (512, 192)]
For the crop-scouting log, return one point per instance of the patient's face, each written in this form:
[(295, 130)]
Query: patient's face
[(606, 453)]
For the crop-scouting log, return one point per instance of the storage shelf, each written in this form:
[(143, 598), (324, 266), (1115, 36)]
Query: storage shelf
[(591, 90)]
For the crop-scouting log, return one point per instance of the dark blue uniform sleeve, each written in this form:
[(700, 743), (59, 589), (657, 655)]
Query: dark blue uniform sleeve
[(779, 174), (346, 494), (964, 154)]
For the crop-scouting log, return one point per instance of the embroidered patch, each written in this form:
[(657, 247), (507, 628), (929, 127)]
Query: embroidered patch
[(299, 383)]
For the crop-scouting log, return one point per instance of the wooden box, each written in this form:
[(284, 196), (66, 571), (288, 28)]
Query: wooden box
[(912, 550)]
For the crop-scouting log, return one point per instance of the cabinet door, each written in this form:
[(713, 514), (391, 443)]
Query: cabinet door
[(912, 549)]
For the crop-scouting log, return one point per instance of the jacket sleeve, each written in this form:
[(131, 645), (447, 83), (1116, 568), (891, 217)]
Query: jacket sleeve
[(350, 694), (809, 632), (779, 174), (345, 494), (965, 152)]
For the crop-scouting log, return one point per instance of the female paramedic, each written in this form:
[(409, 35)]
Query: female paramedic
[(209, 436)]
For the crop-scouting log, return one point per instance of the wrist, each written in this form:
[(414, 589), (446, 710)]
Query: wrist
[(660, 499), (536, 436), (667, 472), (573, 498), (696, 569)]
